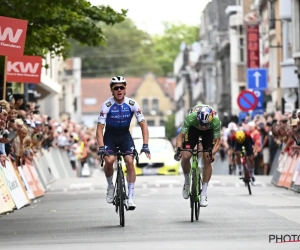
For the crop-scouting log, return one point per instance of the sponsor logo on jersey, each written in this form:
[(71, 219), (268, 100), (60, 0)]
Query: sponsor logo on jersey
[(131, 102), (102, 113), (139, 112), (108, 104)]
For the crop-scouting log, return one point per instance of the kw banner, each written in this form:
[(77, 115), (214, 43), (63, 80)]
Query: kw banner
[(12, 36), (24, 69), (14, 186), (5, 197), (26, 184)]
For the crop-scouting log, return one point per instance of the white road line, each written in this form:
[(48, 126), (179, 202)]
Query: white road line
[(171, 185), (65, 189), (80, 185), (237, 185), (145, 186), (157, 184)]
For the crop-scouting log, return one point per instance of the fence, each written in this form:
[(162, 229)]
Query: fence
[(286, 170), (20, 186)]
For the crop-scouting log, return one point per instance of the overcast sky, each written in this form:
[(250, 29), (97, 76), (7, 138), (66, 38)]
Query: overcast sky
[(148, 15)]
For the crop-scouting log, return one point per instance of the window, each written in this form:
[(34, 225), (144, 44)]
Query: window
[(272, 15), (161, 123), (241, 50), (151, 123), (155, 105), (290, 39), (145, 105), (242, 88)]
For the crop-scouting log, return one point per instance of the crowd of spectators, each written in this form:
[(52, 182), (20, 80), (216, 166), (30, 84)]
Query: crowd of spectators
[(270, 133), (24, 132)]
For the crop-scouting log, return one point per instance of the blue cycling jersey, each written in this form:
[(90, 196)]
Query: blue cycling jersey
[(117, 117)]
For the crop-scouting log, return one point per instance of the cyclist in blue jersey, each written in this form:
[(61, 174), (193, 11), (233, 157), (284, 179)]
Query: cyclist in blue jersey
[(115, 115)]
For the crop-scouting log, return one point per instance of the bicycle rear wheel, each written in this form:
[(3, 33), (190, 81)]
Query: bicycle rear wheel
[(121, 199)]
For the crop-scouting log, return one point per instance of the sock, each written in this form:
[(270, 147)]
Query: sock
[(204, 189), (187, 179), (240, 169), (252, 173), (130, 190), (110, 181)]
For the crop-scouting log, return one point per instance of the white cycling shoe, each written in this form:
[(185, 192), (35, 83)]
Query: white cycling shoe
[(185, 191), (110, 195), (203, 201), (130, 204)]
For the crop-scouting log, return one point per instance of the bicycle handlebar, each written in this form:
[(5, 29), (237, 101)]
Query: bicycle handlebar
[(195, 151), (135, 153)]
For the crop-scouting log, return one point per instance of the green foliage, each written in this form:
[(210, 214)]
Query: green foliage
[(170, 127), (52, 22), (166, 46), (128, 51)]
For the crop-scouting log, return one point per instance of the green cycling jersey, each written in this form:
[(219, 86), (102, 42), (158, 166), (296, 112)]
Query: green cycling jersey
[(192, 121)]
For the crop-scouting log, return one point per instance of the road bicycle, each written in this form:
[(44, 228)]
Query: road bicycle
[(247, 173), (196, 187), (120, 195)]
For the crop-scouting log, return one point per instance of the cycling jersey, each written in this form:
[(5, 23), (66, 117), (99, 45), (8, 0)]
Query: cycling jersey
[(117, 117), (192, 121), (248, 144)]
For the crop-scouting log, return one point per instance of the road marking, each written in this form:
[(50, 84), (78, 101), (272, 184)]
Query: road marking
[(157, 184), (171, 185), (237, 185), (145, 186), (144, 194), (80, 185)]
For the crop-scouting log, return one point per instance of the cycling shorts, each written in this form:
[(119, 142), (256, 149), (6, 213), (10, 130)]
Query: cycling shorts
[(123, 141), (191, 139), (248, 147)]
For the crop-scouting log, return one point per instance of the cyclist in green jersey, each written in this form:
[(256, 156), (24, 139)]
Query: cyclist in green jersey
[(204, 122)]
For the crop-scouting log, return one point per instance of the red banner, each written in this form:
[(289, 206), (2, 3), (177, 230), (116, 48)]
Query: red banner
[(25, 69), (253, 46), (12, 36)]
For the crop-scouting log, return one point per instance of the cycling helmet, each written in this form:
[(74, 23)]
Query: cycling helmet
[(116, 80), (232, 126), (240, 136), (204, 116)]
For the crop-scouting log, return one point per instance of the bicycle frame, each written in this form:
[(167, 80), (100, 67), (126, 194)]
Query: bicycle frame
[(247, 174), (120, 188), (196, 178)]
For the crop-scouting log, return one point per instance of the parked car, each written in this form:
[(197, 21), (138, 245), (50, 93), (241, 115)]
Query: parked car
[(162, 158)]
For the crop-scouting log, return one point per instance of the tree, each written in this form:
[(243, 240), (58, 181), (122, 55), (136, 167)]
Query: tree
[(52, 22), (128, 51), (170, 127), (166, 46)]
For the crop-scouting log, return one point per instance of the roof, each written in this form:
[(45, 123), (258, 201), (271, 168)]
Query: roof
[(98, 90), (168, 86)]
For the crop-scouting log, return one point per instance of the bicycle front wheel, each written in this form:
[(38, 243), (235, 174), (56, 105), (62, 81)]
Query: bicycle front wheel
[(197, 203), (193, 195), (121, 199), (247, 177)]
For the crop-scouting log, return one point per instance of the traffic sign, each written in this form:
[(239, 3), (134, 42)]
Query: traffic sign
[(260, 96), (257, 78), (247, 100)]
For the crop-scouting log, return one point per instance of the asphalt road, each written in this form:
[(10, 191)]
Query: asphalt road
[(74, 215)]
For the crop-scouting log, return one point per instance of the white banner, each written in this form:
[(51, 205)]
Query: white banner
[(26, 185), (13, 184)]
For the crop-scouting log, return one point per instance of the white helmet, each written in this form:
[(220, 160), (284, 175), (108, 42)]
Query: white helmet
[(117, 79), (232, 126)]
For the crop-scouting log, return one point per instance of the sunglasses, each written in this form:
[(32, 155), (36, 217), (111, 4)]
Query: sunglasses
[(119, 88)]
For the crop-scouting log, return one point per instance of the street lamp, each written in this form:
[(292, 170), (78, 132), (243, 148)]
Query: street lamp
[(297, 71)]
